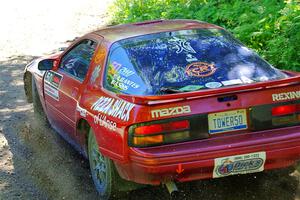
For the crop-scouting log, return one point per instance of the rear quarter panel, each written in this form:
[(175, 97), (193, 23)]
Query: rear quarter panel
[(109, 131)]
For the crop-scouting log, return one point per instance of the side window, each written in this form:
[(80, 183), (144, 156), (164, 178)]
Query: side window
[(76, 62), (121, 75)]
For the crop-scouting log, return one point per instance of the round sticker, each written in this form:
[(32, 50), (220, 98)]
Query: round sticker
[(200, 69), (213, 84)]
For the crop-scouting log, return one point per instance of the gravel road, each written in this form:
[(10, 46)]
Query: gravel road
[(35, 163)]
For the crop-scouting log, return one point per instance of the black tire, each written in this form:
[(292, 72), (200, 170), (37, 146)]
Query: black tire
[(102, 170), (39, 114)]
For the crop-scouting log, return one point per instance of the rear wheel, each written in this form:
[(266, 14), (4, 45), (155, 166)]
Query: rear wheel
[(102, 170)]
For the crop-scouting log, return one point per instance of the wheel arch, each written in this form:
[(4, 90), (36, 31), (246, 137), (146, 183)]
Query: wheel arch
[(82, 129)]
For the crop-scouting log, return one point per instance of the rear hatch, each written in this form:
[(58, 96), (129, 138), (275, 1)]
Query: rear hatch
[(213, 113), (195, 84)]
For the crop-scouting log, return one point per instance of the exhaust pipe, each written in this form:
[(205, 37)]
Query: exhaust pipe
[(172, 188)]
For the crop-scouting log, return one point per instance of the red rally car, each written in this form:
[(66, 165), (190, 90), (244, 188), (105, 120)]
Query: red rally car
[(168, 101)]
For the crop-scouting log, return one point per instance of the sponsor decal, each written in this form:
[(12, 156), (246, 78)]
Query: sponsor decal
[(232, 82), (191, 58), (189, 88), (181, 45), (123, 82), (52, 83), (118, 77), (170, 111), (95, 74), (239, 164), (126, 72), (81, 110), (116, 66), (200, 69), (100, 55), (118, 85), (213, 85), (116, 108), (157, 46), (246, 79), (286, 96), (102, 121)]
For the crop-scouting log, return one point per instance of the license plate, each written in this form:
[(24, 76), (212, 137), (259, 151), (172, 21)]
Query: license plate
[(227, 121), (239, 164)]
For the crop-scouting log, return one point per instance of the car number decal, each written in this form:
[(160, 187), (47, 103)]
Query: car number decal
[(52, 83)]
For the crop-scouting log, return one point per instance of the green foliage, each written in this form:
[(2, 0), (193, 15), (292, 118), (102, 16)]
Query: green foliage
[(271, 27)]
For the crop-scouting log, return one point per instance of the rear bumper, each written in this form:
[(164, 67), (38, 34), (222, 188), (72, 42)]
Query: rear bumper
[(159, 164)]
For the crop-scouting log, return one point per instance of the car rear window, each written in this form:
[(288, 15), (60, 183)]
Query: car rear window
[(183, 61)]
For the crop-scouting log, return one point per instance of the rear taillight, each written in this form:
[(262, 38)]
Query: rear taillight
[(159, 133), (284, 110), (150, 129), (285, 114)]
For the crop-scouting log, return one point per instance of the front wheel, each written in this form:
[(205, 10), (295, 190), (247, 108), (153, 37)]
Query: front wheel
[(37, 105), (102, 170)]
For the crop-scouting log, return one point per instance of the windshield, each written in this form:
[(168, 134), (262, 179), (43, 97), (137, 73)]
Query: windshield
[(183, 61)]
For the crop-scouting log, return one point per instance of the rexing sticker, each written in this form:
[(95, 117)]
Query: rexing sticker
[(200, 69), (286, 96), (52, 83)]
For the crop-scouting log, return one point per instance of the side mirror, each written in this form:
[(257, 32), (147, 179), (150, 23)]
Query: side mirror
[(46, 64)]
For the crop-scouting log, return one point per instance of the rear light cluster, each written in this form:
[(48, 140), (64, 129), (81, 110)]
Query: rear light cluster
[(286, 114), (285, 110), (159, 133)]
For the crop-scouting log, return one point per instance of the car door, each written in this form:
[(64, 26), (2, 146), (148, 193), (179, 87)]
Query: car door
[(63, 85)]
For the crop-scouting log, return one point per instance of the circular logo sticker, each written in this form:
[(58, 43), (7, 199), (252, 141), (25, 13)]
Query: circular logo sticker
[(200, 69), (213, 85)]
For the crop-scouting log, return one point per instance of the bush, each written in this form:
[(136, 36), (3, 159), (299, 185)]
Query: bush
[(271, 27)]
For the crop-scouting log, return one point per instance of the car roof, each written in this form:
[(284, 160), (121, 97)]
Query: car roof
[(119, 32)]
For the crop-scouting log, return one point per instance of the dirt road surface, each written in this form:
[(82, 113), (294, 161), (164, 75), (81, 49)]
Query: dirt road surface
[(35, 163)]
